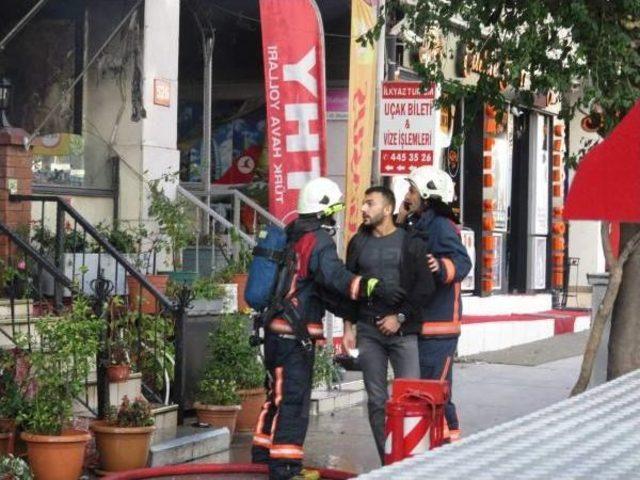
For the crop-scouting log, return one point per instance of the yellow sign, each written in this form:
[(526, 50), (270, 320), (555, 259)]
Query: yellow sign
[(362, 93)]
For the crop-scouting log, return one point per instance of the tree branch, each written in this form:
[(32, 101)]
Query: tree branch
[(606, 307)]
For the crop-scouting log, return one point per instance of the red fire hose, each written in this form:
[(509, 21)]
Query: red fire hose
[(213, 468)]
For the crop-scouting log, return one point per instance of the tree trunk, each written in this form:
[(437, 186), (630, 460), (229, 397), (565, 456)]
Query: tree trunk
[(624, 341), (632, 246)]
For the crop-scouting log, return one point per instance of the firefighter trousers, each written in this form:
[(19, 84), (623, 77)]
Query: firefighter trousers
[(436, 363), (283, 421)]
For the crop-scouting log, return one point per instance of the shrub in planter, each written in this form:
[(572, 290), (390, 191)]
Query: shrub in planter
[(58, 369), (230, 357), (175, 219), (123, 438), (119, 342), (217, 403)]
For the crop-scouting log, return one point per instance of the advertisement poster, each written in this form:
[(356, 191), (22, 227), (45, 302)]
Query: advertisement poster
[(294, 74), (539, 175), (407, 127), (502, 153), (362, 95)]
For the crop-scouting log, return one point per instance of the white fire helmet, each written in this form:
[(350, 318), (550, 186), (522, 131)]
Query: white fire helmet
[(432, 182), (321, 196)]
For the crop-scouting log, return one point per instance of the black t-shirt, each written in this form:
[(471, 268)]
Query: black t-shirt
[(380, 258)]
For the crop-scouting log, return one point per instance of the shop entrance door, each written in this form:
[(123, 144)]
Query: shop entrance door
[(517, 243)]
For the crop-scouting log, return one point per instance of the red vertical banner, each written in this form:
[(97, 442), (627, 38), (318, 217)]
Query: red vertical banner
[(294, 78)]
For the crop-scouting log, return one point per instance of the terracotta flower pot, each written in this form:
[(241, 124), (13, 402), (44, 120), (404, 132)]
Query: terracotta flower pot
[(122, 448), (118, 373), (149, 304), (240, 279), (6, 443), (218, 415), (252, 401), (56, 457)]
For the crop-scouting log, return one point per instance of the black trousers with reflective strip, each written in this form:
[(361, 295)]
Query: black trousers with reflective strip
[(282, 425)]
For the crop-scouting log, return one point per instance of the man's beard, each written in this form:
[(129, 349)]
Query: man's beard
[(374, 220)]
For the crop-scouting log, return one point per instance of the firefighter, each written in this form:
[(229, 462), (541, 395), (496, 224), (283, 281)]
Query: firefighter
[(291, 332), (427, 207)]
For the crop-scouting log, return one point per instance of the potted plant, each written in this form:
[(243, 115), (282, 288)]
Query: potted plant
[(139, 297), (217, 403), (14, 468), (118, 342), (119, 368), (237, 269), (123, 438), (176, 222), (231, 357), (209, 296), (57, 374)]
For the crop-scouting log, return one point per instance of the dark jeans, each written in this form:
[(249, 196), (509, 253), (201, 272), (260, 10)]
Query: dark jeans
[(376, 350), (436, 363), (282, 425)]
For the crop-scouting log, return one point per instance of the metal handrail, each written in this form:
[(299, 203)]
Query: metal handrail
[(103, 242), (215, 215), (39, 259), (250, 202)]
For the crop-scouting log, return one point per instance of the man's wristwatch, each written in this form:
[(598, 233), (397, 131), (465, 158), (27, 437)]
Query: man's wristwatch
[(401, 318)]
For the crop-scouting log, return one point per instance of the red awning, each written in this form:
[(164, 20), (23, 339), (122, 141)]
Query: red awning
[(607, 183)]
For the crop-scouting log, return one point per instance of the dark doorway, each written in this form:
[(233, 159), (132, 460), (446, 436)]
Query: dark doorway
[(517, 240)]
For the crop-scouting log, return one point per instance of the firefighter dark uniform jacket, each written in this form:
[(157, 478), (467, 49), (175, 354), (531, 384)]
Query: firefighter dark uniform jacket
[(442, 316), (319, 274), (415, 277)]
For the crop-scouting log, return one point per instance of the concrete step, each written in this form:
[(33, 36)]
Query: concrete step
[(348, 394), (131, 388), (186, 443), (20, 307)]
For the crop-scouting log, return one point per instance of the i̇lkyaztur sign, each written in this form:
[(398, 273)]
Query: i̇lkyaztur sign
[(407, 127)]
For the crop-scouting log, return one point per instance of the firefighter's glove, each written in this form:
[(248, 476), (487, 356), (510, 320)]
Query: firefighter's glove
[(388, 293)]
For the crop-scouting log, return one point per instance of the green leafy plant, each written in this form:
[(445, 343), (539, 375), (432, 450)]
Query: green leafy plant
[(125, 240), (207, 288), (14, 468), (229, 355), (12, 371), (174, 219), (217, 391), (59, 367), (130, 414), (151, 348), (235, 264), (325, 371)]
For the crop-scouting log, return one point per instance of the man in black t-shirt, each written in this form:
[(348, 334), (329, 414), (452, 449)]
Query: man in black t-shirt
[(386, 333)]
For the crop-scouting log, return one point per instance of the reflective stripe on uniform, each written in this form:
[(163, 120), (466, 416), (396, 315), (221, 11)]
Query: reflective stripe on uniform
[(440, 328), (278, 398), (449, 270), (262, 440), (280, 325), (286, 451), (445, 370)]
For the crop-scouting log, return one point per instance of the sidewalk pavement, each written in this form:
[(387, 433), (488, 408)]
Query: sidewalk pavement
[(486, 395)]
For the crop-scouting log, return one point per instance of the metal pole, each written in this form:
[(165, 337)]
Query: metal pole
[(207, 99), (380, 76), (26, 19), (58, 288)]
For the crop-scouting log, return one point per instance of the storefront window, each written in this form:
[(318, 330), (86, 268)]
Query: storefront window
[(58, 159), (42, 62)]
